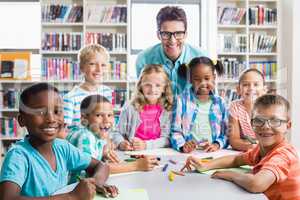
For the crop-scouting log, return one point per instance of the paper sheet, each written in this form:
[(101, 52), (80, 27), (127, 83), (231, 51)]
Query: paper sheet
[(155, 152), (128, 194), (172, 152)]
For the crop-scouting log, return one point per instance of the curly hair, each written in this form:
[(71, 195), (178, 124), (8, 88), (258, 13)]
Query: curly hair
[(166, 100)]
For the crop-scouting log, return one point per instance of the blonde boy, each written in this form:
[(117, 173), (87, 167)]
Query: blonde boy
[(93, 61), (276, 169)]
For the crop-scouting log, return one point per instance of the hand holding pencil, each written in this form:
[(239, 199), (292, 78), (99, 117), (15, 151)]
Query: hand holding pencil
[(195, 163)]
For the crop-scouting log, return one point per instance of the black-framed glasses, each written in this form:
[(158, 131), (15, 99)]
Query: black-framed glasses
[(273, 123), (166, 35)]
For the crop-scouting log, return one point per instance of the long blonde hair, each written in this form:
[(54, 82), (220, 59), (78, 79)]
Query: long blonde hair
[(166, 99)]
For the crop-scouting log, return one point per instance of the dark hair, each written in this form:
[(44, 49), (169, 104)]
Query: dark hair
[(268, 100), (185, 71), (88, 103), (33, 90), (251, 70), (170, 13)]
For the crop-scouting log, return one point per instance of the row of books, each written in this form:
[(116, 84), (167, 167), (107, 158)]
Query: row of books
[(260, 15), (60, 13), (106, 14), (118, 98), (261, 42), (59, 41), (9, 98), (268, 68), (116, 71), (230, 15), (232, 67), (232, 42), (111, 41), (228, 94), (8, 127), (60, 69)]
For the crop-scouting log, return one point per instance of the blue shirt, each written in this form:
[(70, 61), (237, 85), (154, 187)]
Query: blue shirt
[(156, 55), (26, 167)]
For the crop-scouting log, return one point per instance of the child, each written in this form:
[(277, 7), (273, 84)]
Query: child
[(93, 61), (200, 116), (145, 122), (38, 165), (251, 85), (276, 169), (92, 137)]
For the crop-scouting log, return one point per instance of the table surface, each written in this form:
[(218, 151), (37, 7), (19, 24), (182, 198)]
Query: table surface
[(192, 186)]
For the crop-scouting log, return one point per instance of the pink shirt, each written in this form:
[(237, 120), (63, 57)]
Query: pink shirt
[(149, 129), (238, 111)]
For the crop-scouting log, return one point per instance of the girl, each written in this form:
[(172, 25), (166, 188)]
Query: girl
[(200, 116), (251, 85), (145, 122)]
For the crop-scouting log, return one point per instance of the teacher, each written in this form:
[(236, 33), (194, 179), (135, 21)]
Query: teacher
[(172, 51)]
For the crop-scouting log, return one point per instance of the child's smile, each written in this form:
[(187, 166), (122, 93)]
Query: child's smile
[(270, 125)]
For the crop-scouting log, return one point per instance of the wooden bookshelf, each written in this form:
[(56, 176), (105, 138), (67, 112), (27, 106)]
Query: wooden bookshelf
[(252, 55)]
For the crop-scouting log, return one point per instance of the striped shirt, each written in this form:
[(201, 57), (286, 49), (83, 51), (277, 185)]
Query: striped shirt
[(283, 162), (72, 101), (238, 111)]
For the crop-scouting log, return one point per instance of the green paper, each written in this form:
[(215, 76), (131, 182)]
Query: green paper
[(241, 169), (126, 194)]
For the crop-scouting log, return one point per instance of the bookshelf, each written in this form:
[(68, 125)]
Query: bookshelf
[(66, 26), (248, 36)]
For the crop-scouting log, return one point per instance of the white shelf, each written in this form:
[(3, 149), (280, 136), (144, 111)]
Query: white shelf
[(262, 54), (9, 110), (95, 24), (232, 54), (56, 81), (10, 138), (59, 52), (231, 26), (254, 27), (64, 24), (262, 1), (220, 81)]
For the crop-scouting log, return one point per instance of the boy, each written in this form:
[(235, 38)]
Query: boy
[(276, 169), (93, 61), (92, 137), (38, 165)]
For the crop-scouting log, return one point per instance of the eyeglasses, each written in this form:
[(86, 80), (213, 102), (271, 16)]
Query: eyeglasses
[(273, 123), (178, 35)]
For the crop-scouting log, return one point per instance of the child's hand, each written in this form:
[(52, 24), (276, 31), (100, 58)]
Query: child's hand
[(226, 175), (194, 163), (147, 163), (108, 190), (138, 144), (125, 146), (211, 147), (112, 157), (85, 190), (189, 146)]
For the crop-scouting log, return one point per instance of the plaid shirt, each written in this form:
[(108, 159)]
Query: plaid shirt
[(86, 141), (184, 115)]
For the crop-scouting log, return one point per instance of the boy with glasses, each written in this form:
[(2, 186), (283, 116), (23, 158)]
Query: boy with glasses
[(172, 51), (276, 169)]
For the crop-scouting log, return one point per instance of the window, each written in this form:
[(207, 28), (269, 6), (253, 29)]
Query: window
[(20, 24), (143, 23)]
